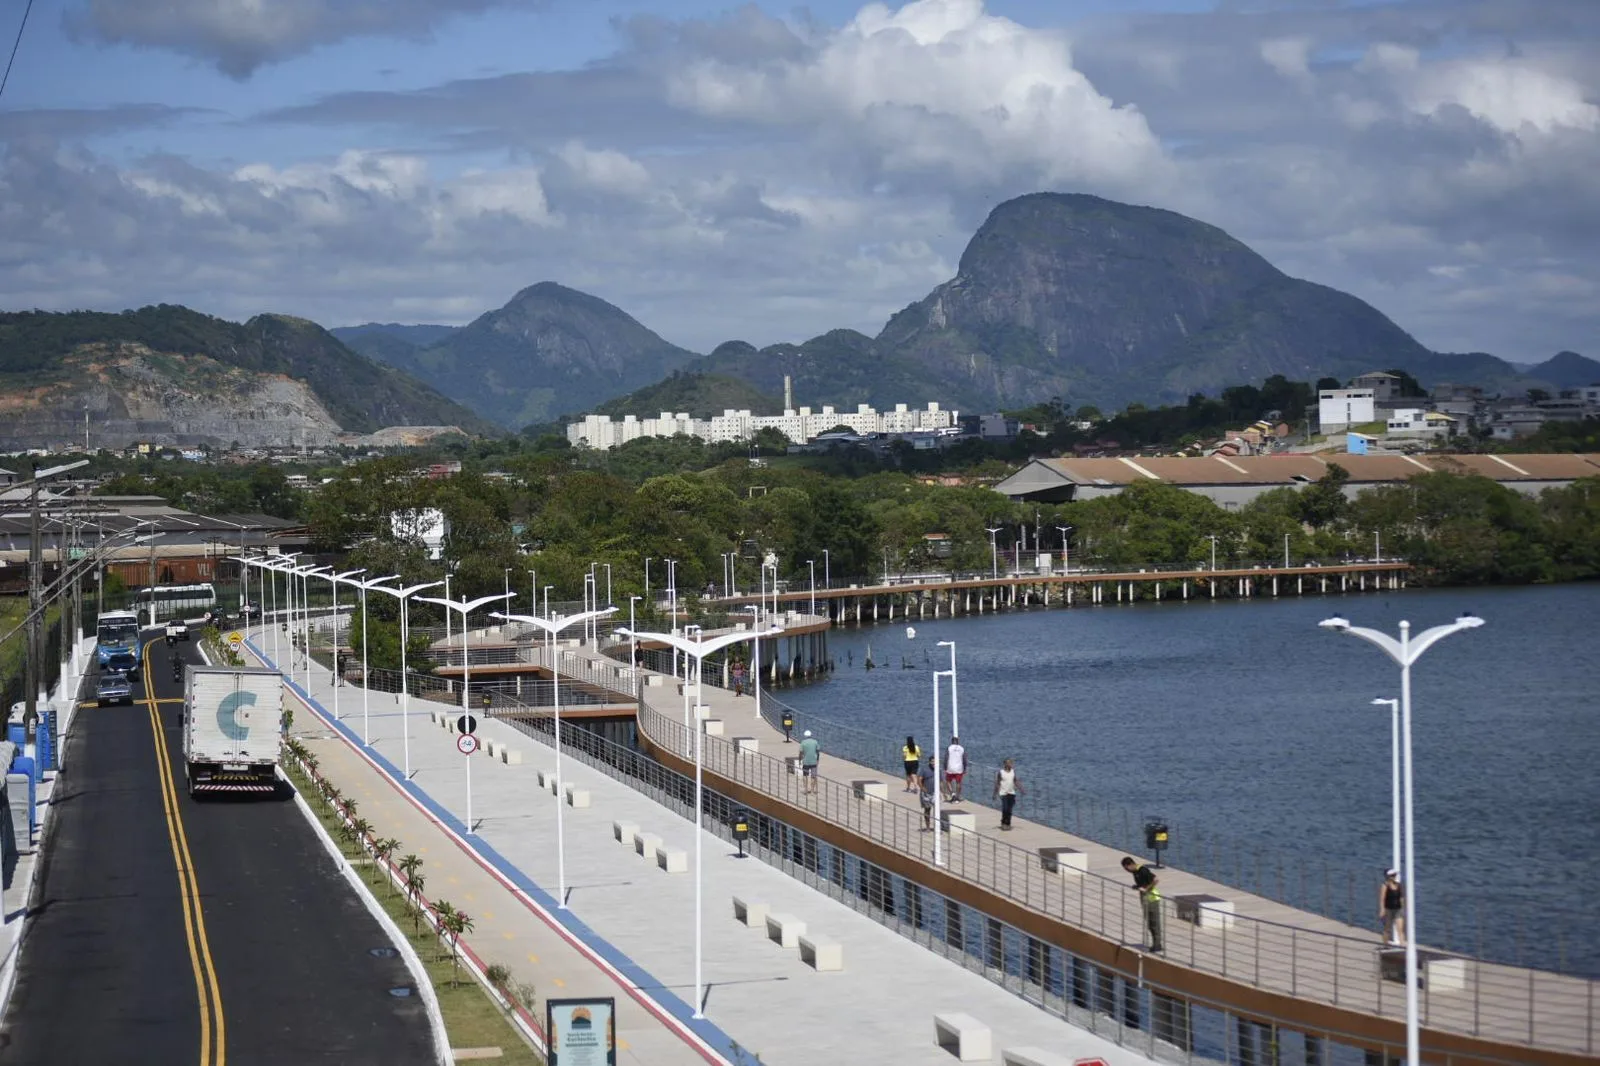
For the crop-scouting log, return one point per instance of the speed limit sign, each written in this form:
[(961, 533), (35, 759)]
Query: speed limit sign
[(466, 743)]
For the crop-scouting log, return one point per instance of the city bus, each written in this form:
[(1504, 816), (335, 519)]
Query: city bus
[(116, 631), (176, 599)]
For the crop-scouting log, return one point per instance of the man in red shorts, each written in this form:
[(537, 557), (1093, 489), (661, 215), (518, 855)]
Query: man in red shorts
[(955, 768)]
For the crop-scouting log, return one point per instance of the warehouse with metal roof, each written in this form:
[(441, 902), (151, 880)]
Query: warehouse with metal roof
[(1233, 481)]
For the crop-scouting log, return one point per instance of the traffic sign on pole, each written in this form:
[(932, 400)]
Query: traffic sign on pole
[(467, 724), (466, 743), (235, 638)]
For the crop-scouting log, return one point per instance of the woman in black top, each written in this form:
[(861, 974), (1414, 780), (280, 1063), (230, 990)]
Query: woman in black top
[(1391, 908)]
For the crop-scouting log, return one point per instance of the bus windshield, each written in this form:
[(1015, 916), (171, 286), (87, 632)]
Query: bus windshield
[(117, 631)]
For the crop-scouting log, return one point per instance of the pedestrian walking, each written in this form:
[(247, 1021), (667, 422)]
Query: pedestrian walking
[(1145, 882), (1391, 908), (810, 757), (955, 768), (738, 678), (926, 784), (911, 759), (1007, 787)]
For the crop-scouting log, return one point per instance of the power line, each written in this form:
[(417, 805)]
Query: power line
[(14, 46)]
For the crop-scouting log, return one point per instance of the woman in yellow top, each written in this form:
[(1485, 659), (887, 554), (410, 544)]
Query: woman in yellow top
[(911, 755)]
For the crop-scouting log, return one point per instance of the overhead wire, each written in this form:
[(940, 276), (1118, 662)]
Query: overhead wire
[(14, 46)]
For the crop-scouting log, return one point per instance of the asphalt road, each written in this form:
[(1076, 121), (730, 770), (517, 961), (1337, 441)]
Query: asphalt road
[(107, 973)]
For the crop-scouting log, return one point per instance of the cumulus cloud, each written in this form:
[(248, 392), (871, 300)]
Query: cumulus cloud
[(240, 36), (938, 85), (749, 176)]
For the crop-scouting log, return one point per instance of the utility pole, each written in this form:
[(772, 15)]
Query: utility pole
[(30, 714)]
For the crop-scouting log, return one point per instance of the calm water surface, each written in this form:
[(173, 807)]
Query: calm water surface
[(1251, 731)]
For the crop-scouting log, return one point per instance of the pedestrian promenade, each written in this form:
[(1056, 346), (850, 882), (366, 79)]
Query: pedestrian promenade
[(1261, 945), (629, 929)]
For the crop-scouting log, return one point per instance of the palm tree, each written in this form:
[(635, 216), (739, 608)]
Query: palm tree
[(384, 848), (361, 830), (444, 913), (454, 923)]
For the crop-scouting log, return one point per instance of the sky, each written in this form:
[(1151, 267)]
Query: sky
[(767, 172)]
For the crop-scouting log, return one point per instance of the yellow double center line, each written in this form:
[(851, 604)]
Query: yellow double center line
[(213, 1033)]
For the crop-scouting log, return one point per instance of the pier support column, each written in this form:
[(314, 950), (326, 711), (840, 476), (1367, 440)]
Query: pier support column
[(1211, 583), (1274, 586), (1186, 590), (1158, 592)]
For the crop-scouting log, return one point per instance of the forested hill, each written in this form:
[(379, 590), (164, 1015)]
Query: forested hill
[(359, 394)]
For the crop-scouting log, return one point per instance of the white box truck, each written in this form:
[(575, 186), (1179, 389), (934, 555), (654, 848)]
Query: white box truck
[(232, 724)]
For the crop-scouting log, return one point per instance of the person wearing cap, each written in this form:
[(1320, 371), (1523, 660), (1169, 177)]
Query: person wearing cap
[(810, 756), (1391, 908)]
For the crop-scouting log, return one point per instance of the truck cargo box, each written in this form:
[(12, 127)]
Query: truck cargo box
[(232, 725)]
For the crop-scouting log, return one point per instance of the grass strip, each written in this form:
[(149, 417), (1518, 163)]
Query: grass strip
[(471, 1018)]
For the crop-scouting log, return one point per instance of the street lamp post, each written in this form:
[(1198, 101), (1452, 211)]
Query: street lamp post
[(633, 642), (552, 627), (465, 608), (403, 595), (994, 552), (1066, 560), (955, 706), (609, 601), (338, 675), (1377, 546), (304, 594), (1213, 539), (698, 649), (366, 677), (1286, 551), (812, 564), (938, 775), (827, 571), (1406, 651), (1394, 779)]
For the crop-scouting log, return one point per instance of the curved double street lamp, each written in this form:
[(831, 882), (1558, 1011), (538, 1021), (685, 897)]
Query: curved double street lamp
[(338, 675), (366, 686), (1406, 651), (403, 594), (551, 628), (698, 649)]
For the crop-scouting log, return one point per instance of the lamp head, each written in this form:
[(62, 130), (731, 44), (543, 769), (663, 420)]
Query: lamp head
[(947, 644), (1335, 623), (1468, 620), (911, 632)]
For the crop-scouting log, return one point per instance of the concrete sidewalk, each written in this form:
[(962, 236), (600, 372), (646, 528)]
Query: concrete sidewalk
[(634, 919)]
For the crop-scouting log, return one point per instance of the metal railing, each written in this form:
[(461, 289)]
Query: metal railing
[(1162, 1022), (1461, 995)]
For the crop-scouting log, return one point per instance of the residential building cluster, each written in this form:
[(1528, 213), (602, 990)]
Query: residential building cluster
[(1448, 411), (801, 426)]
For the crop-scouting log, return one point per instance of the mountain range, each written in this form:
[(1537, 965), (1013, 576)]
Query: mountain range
[(1056, 295), (170, 375)]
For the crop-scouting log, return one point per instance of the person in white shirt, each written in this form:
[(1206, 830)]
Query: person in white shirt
[(955, 768)]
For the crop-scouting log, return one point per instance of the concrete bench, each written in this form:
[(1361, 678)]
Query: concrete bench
[(655, 680), (672, 860), (1207, 912), (752, 913), (1032, 1056), (1444, 973), (547, 780), (964, 820), (577, 797), (791, 763), (645, 844), (713, 726), (491, 748), (702, 711), (963, 1036), (878, 790), (822, 953), (750, 744), (1068, 862), (510, 756), (624, 831), (786, 929)]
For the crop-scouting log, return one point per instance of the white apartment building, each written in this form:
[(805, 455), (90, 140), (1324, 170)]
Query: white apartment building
[(1338, 409), (800, 426)]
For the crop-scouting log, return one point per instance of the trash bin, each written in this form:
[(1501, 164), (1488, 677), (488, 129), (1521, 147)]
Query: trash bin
[(1155, 837)]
